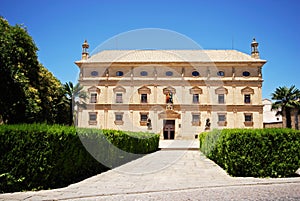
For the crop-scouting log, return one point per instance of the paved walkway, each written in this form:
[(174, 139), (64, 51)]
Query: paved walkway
[(169, 174)]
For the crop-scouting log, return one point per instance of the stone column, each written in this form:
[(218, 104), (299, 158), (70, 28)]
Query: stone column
[(106, 94), (105, 118)]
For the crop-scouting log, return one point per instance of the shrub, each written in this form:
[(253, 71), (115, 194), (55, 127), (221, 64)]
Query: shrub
[(254, 152), (35, 156)]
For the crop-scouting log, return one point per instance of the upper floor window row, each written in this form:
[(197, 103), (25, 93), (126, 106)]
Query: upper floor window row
[(170, 73)]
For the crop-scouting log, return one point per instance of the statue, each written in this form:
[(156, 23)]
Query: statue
[(149, 124), (169, 97), (207, 124)]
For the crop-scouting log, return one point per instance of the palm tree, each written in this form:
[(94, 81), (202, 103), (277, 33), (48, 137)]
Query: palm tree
[(76, 98), (286, 99)]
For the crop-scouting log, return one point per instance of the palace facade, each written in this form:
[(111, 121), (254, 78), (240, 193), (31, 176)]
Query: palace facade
[(177, 93)]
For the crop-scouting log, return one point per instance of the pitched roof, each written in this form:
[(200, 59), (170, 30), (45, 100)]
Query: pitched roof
[(172, 56)]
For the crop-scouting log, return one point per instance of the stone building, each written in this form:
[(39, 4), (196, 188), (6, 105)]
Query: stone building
[(177, 93), (271, 120)]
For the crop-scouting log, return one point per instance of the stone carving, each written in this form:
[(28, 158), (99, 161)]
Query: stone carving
[(207, 124)]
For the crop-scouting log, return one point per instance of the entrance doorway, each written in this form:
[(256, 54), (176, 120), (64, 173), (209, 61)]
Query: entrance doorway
[(169, 129)]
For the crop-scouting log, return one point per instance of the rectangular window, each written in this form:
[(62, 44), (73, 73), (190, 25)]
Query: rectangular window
[(196, 118), (144, 117), (93, 98), (248, 118), (247, 98), (221, 117), (92, 118), (143, 98), (119, 117), (195, 98), (221, 98), (119, 98), (222, 120)]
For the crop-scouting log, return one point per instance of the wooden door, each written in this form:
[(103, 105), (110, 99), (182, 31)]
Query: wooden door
[(169, 129)]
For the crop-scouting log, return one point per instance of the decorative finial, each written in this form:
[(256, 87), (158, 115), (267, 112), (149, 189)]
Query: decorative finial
[(85, 47), (254, 49)]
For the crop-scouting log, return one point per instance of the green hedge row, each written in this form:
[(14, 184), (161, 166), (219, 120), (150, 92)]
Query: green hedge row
[(35, 156), (254, 152)]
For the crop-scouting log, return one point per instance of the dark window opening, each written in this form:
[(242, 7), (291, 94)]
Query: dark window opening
[(93, 98), (144, 73), (196, 118), (247, 98), (221, 98), (119, 73), (93, 117), (221, 73), (144, 117), (143, 98), (94, 73), (248, 117), (119, 117), (195, 73), (169, 73), (195, 98), (119, 98), (221, 117), (246, 73)]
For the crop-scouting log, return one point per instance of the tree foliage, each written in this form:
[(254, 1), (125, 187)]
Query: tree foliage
[(286, 99), (29, 92)]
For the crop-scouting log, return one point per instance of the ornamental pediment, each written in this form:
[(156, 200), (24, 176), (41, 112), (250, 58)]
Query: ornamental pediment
[(195, 90), (221, 90), (247, 90), (119, 89), (94, 89), (169, 114), (168, 90), (144, 90)]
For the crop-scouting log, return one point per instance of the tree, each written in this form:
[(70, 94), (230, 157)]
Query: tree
[(285, 100), (29, 92), (19, 67), (76, 98), (52, 95)]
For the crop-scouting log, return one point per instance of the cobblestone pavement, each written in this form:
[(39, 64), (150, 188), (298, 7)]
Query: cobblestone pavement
[(169, 174)]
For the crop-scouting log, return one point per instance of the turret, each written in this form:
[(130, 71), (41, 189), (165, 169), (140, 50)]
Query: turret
[(254, 49), (85, 54)]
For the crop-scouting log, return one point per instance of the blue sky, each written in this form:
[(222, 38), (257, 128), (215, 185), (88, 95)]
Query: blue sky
[(59, 27)]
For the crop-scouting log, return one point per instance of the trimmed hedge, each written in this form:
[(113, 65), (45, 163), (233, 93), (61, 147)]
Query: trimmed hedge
[(254, 152), (35, 156)]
